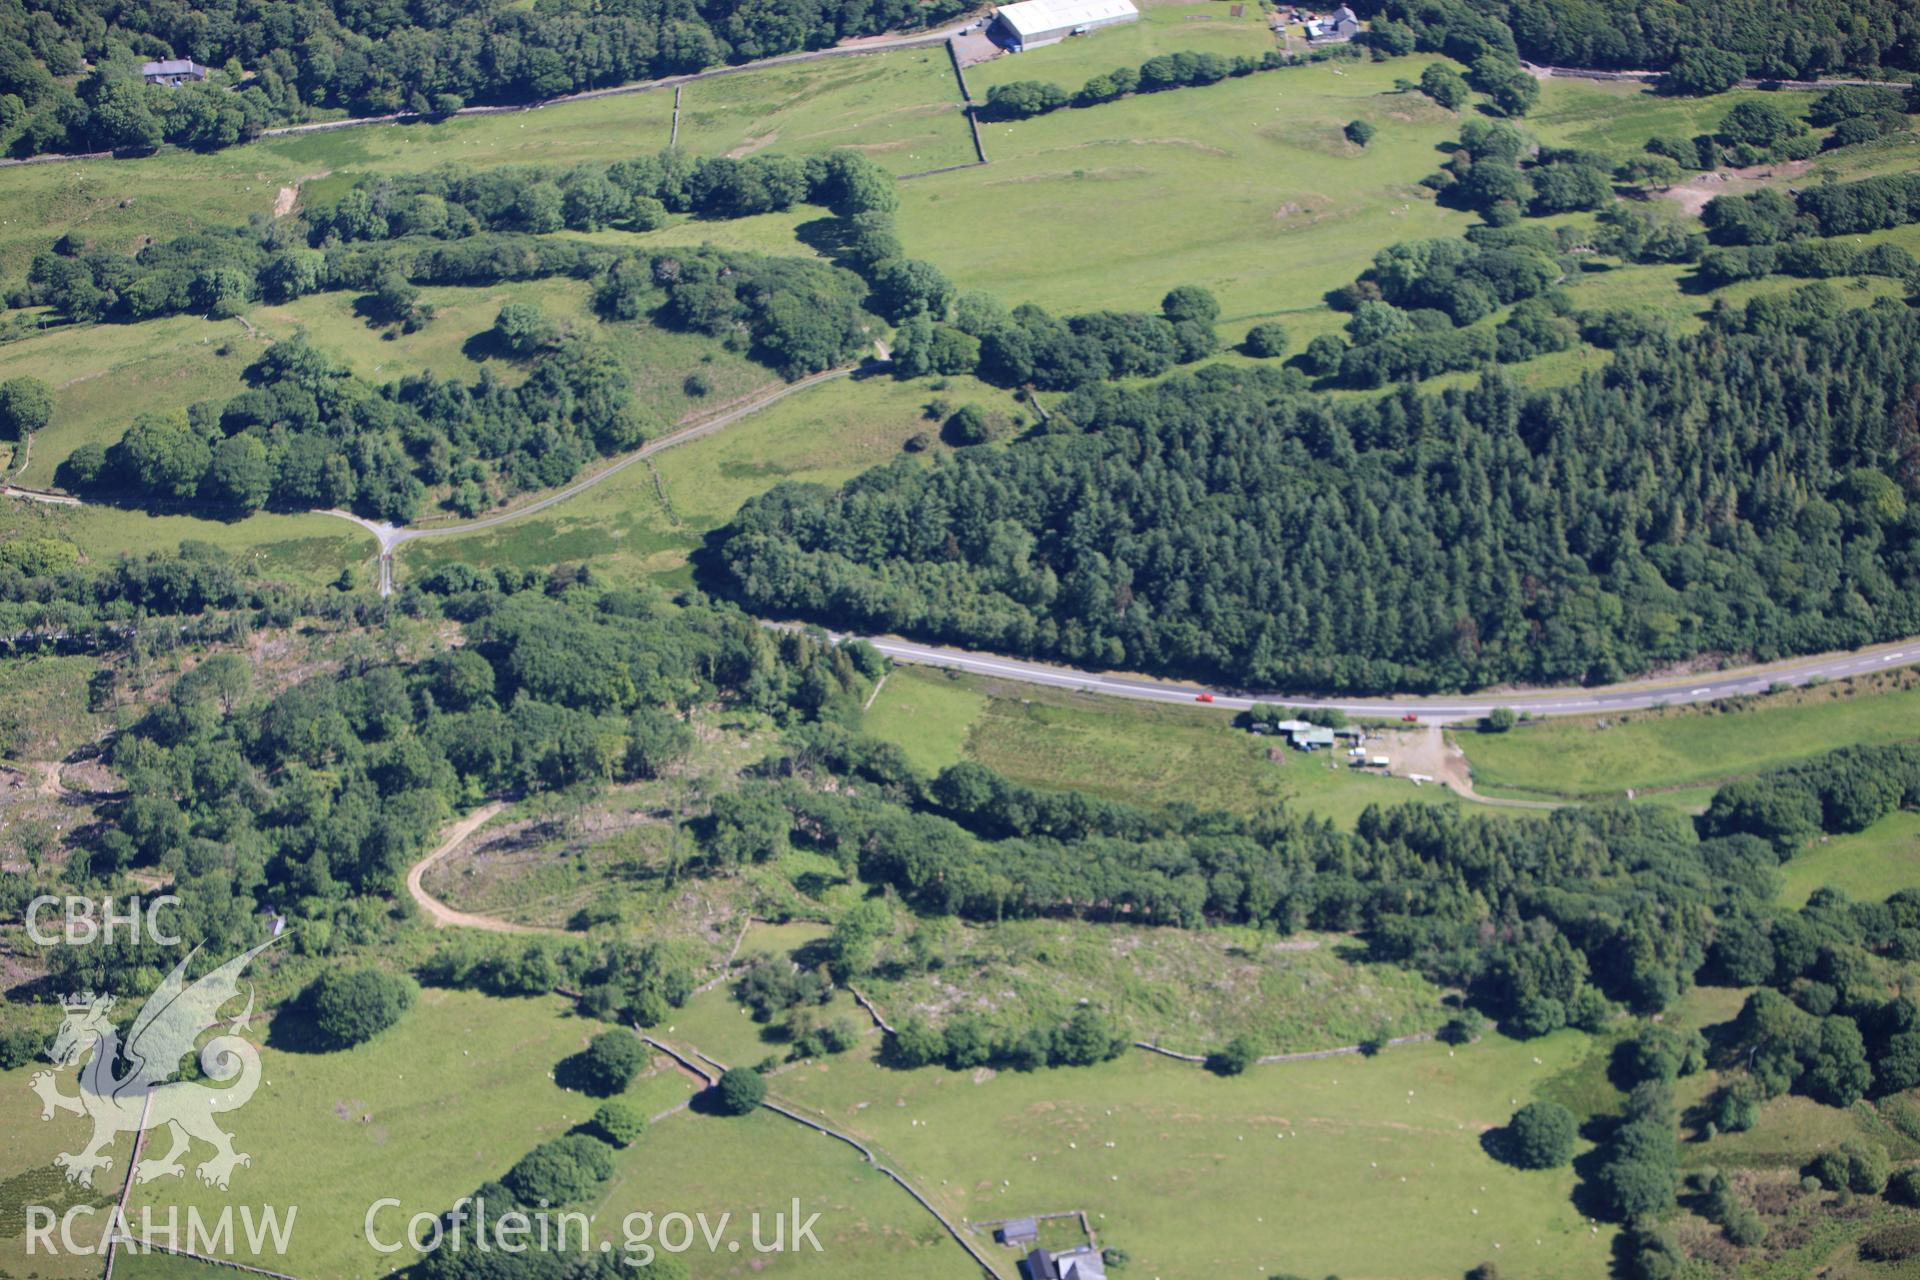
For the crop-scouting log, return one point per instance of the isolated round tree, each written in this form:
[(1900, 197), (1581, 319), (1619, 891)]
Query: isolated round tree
[(1190, 302), (1267, 339), (25, 406), (741, 1090), (1233, 1057), (564, 1170), (619, 1124), (351, 1007), (523, 330), (1541, 1136), (611, 1061), (1324, 354), (970, 424)]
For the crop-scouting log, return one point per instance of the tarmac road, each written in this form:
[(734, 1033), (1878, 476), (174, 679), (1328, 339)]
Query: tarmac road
[(1630, 696)]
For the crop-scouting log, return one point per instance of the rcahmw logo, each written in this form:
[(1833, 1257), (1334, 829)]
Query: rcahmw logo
[(262, 1231), (146, 1096)]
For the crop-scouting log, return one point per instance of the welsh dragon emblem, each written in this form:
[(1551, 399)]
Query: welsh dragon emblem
[(163, 1034)]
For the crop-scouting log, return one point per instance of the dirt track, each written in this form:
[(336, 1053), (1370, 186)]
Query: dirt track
[(439, 912), (1426, 751)]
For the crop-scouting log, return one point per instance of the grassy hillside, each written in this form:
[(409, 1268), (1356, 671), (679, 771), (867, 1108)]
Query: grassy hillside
[(321, 1123), (1867, 865), (868, 1228), (1190, 992), (1600, 757), (813, 107), (902, 109), (1274, 1164), (1134, 752), (1171, 26), (1247, 187), (310, 549), (632, 525)]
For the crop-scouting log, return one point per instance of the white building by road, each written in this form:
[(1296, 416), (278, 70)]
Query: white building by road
[(1032, 23)]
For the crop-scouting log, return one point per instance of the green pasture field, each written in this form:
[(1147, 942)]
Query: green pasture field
[(1616, 118), (719, 1025), (1575, 757), (1185, 187), (1205, 26), (427, 1111), (102, 375), (453, 346), (776, 234), (901, 108), (132, 1265), (307, 549), (825, 434), (767, 939), (115, 203), (868, 1228), (813, 107), (1868, 865), (1273, 1162), (1247, 187), (28, 1177), (1187, 990), (927, 714), (1136, 752), (457, 344)]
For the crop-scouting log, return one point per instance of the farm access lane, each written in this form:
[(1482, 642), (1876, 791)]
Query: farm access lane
[(392, 537)]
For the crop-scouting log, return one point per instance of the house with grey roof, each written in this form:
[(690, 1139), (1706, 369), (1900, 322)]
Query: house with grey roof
[(1341, 24), (1082, 1262), (172, 71)]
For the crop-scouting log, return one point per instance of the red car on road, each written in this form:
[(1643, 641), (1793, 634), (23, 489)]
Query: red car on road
[(1204, 697), (1411, 718)]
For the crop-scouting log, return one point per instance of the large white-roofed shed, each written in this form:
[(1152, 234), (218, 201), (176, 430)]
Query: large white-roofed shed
[(1032, 23)]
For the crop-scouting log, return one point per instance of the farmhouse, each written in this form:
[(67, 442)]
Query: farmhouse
[(1307, 736), (1082, 1262), (1032, 23), (172, 71), (1019, 1231), (1341, 25)]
